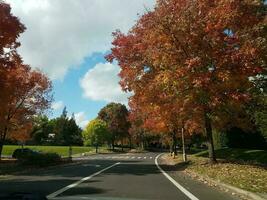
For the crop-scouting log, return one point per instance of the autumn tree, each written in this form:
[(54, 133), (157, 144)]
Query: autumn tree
[(24, 92), (115, 115), (205, 52)]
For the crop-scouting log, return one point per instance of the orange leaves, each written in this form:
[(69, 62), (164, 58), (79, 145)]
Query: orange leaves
[(24, 92), (193, 62), (203, 55)]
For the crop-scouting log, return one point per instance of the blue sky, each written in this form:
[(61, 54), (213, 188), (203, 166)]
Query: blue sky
[(69, 92), (67, 40)]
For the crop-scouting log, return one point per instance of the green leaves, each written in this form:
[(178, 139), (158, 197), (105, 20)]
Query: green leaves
[(95, 133)]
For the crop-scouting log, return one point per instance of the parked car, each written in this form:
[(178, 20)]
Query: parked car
[(20, 153)]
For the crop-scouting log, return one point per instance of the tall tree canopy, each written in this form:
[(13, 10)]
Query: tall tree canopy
[(205, 56), (67, 132), (96, 133), (116, 117), (24, 92)]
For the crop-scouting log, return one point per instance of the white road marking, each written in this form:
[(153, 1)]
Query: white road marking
[(133, 157), (151, 157), (56, 193), (139, 157), (144, 157), (88, 165), (186, 192)]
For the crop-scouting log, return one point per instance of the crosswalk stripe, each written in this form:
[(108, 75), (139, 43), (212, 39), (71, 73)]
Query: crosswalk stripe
[(118, 157)]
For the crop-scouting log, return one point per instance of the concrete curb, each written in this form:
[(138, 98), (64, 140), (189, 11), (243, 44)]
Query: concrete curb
[(241, 192)]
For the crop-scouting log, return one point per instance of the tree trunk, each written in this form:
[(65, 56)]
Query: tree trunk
[(143, 145), (130, 142), (208, 128), (2, 140), (70, 151), (1, 148), (142, 141), (96, 148), (174, 144), (183, 144), (112, 142)]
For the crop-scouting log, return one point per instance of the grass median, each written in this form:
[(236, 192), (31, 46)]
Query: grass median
[(60, 150), (12, 166)]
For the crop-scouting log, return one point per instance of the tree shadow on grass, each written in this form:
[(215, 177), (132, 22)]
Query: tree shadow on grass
[(256, 158)]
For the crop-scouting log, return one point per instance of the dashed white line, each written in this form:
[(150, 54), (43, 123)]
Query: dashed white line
[(56, 193), (151, 157), (186, 192), (133, 157), (139, 157), (144, 157)]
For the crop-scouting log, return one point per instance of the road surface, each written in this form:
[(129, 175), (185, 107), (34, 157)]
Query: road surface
[(112, 176)]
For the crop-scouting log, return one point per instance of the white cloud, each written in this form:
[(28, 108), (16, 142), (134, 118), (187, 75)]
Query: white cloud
[(102, 83), (61, 33), (57, 105), (81, 119)]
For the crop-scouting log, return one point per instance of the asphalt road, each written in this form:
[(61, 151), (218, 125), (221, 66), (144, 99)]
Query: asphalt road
[(116, 176)]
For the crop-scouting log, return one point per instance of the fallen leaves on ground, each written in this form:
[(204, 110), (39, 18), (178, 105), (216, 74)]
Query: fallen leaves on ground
[(248, 177)]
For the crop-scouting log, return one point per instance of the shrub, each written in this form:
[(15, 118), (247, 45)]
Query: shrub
[(40, 159), (22, 152), (237, 138)]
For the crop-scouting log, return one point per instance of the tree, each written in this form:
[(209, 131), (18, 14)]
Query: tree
[(206, 54), (95, 133), (115, 115), (67, 132), (24, 92), (74, 132), (260, 116), (41, 129)]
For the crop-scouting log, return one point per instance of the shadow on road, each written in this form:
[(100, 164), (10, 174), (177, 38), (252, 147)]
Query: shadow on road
[(47, 181)]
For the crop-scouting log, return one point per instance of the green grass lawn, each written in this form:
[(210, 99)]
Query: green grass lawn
[(61, 150), (246, 155)]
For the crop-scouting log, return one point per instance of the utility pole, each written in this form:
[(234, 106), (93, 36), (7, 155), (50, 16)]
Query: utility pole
[(183, 144)]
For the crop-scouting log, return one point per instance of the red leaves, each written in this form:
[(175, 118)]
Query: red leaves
[(24, 92), (203, 54)]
